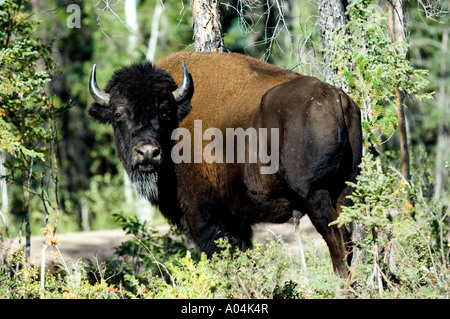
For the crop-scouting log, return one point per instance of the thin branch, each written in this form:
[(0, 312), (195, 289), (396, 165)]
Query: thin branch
[(108, 8)]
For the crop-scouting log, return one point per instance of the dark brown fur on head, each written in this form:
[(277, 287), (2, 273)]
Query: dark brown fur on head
[(142, 109), (145, 87)]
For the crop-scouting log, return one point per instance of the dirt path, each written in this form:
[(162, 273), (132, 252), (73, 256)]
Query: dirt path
[(100, 245)]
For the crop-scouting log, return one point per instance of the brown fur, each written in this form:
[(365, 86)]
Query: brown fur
[(232, 90), (320, 144), (247, 80)]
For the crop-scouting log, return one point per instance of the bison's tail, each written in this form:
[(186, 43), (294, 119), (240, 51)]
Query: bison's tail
[(328, 163)]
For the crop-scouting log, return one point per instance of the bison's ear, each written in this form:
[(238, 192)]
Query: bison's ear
[(183, 109), (99, 113)]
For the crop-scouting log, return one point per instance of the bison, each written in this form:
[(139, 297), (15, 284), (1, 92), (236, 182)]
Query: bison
[(312, 127)]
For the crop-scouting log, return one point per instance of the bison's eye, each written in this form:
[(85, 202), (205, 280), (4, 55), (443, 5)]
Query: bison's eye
[(118, 114)]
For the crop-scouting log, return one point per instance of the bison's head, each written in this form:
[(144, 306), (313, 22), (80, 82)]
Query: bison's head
[(144, 106)]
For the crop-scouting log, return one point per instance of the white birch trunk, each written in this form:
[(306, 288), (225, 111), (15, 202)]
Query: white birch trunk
[(3, 185), (4, 197), (132, 25), (152, 43), (443, 140)]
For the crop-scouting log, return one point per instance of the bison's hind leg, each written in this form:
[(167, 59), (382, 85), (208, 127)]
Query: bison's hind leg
[(322, 213)]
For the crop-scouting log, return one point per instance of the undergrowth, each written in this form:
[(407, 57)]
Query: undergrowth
[(156, 266), (403, 253)]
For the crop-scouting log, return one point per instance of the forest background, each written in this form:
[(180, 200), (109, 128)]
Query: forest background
[(60, 167)]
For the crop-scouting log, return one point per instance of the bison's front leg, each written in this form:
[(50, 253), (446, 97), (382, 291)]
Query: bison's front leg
[(209, 226)]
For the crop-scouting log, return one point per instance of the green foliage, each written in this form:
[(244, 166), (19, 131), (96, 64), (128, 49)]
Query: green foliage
[(256, 273), (189, 279), (148, 250), (429, 50), (21, 281), (28, 114), (26, 109), (159, 266), (398, 254), (156, 266), (375, 194), (409, 255), (106, 194), (167, 270), (372, 69), (288, 291), (412, 256), (251, 274), (20, 85)]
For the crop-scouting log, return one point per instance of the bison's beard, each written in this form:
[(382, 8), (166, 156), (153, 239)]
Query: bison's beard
[(145, 184)]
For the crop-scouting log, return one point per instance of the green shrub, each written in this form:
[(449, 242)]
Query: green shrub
[(254, 273), (401, 254)]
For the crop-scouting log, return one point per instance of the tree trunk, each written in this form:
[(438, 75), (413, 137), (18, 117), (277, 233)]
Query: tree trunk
[(133, 26), (332, 17), (3, 186), (397, 29), (26, 205), (155, 32), (207, 26), (4, 208), (443, 139)]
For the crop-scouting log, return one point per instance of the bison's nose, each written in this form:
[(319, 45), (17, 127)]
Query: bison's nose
[(146, 153)]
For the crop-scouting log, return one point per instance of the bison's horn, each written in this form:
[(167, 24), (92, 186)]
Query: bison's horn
[(180, 93), (98, 95)]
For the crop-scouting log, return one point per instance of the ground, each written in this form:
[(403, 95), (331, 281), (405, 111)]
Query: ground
[(100, 245)]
